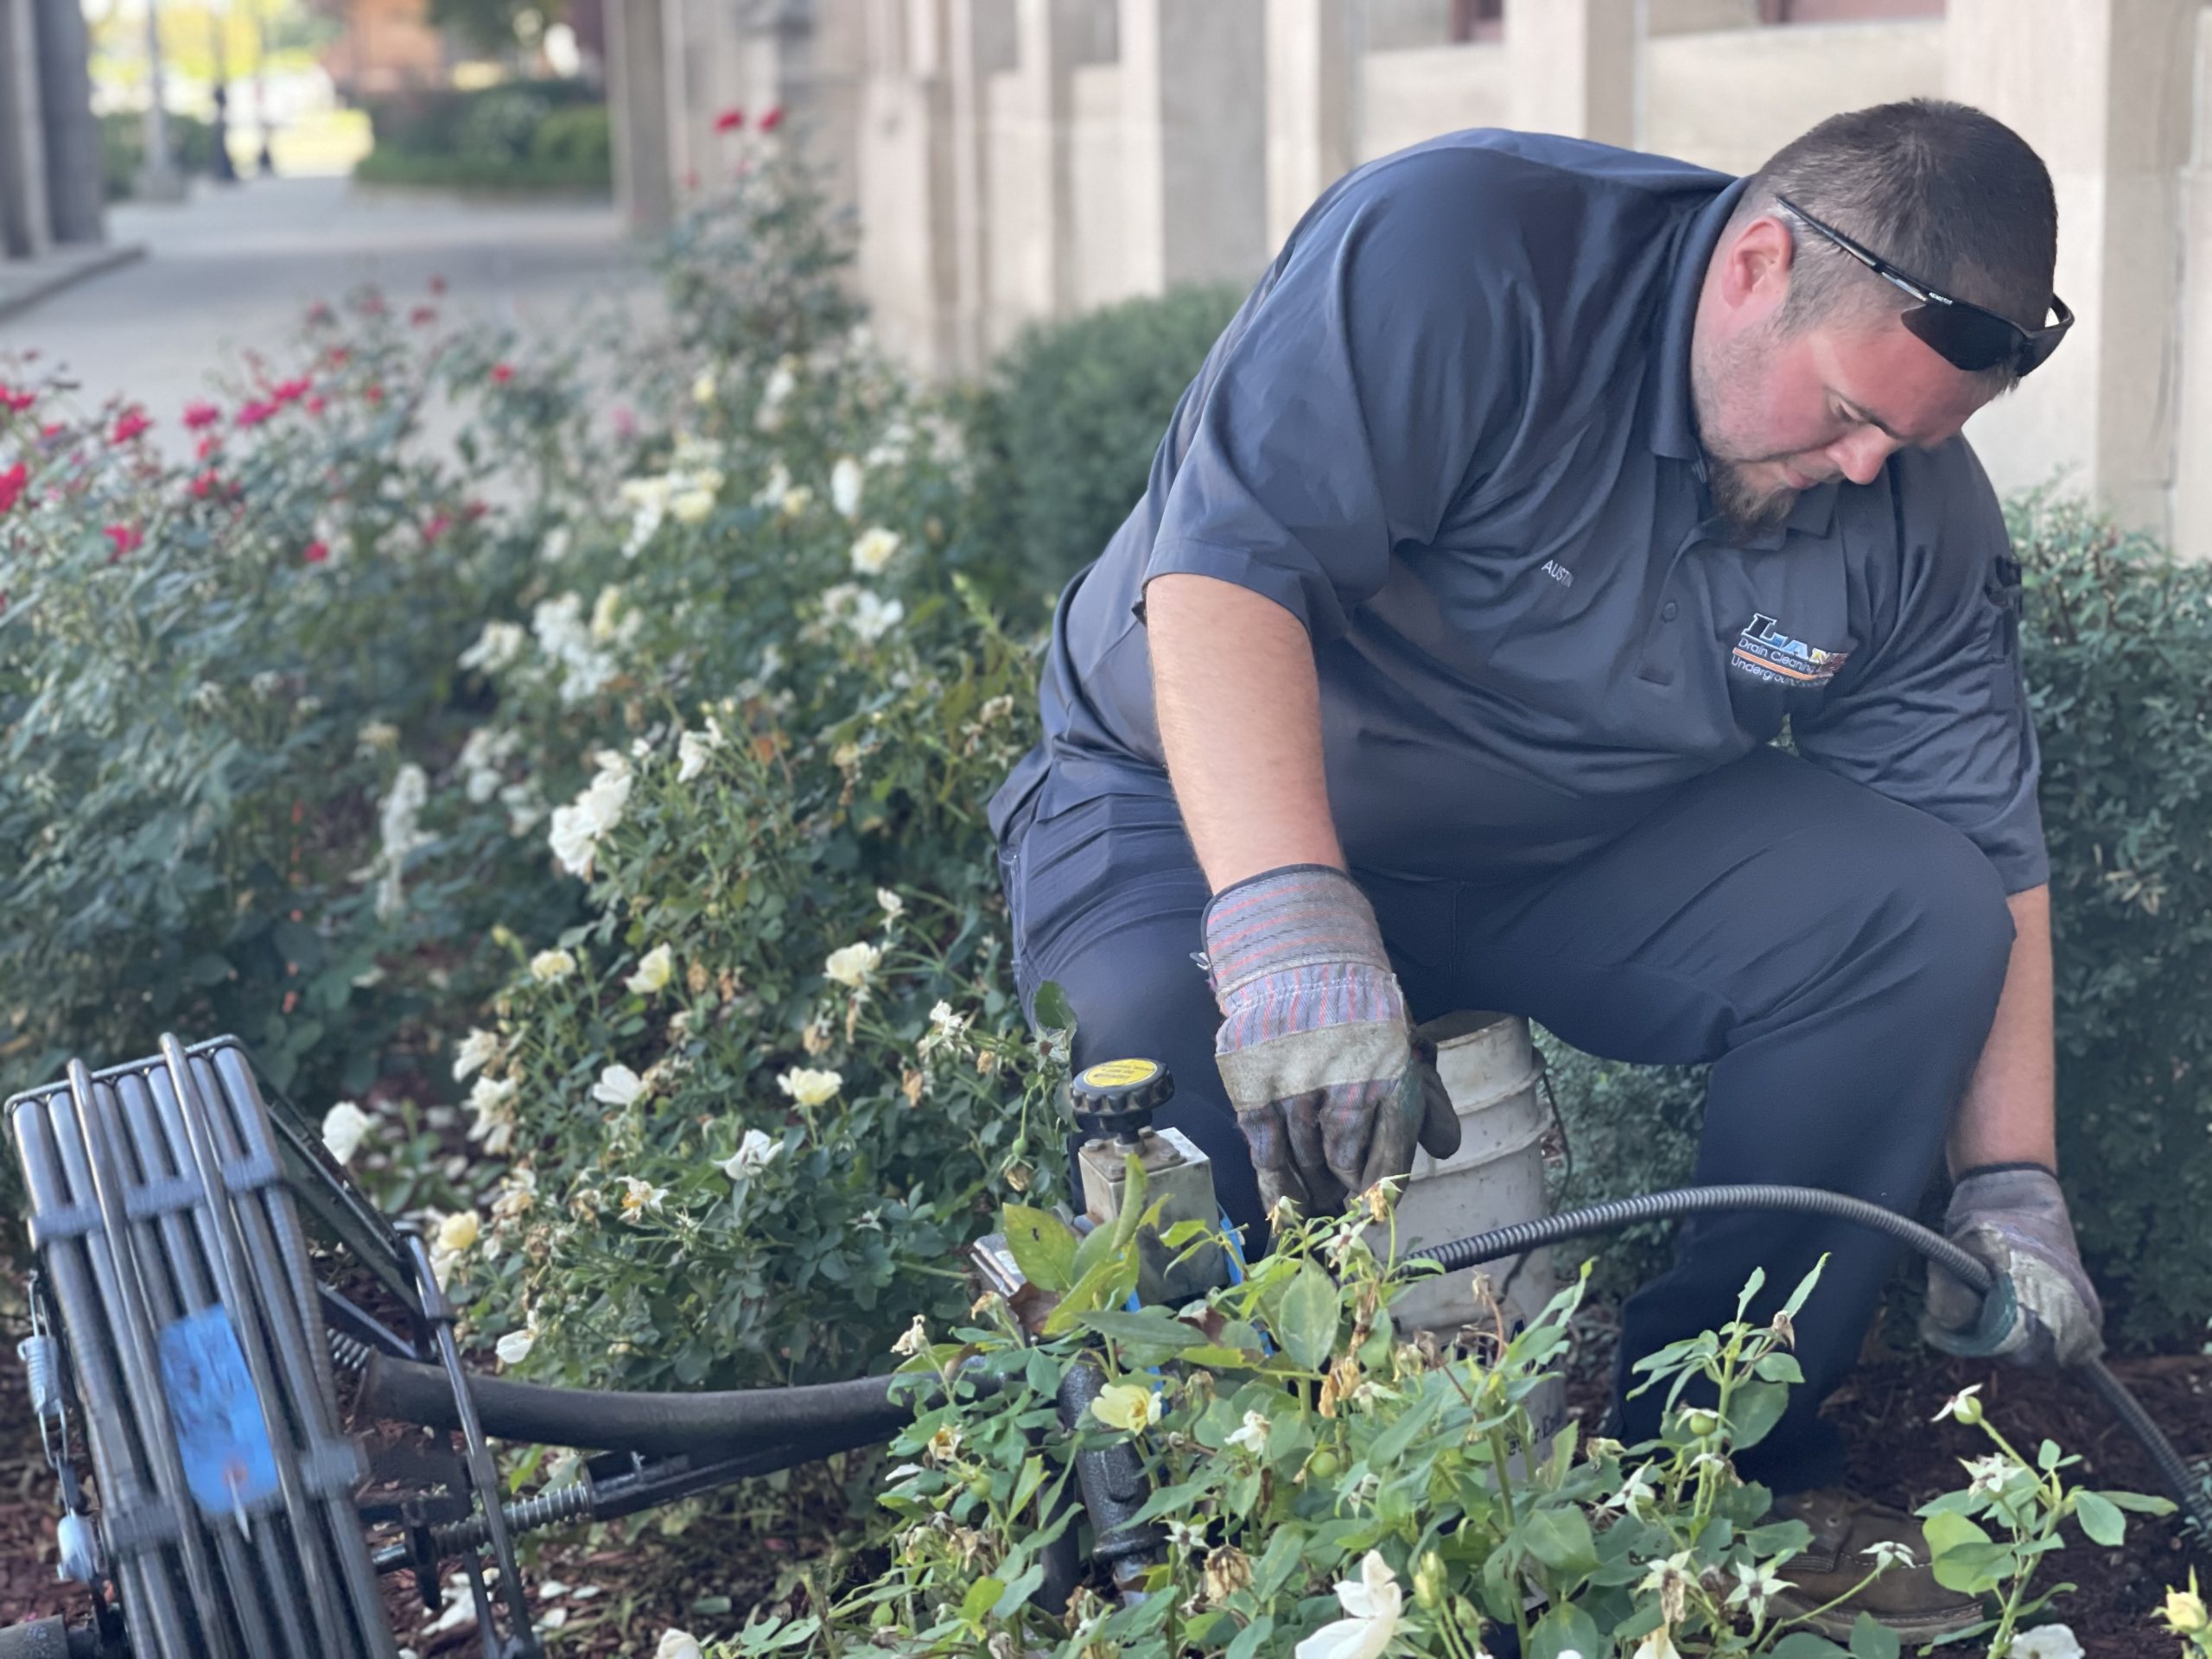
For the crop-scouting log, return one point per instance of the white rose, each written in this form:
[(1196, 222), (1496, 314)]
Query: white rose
[(755, 1152), (551, 967), (702, 389), (810, 1088), (691, 506), (854, 965), (894, 906), (795, 500), (618, 1085), (654, 970), (477, 1050), (677, 1645), (343, 1126), (846, 479), (497, 647), (515, 1347), (692, 749), (874, 549), (458, 1231)]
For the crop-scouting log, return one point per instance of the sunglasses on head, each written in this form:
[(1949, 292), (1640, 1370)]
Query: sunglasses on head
[(1962, 334)]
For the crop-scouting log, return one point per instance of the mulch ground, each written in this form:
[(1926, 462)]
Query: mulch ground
[(615, 1594)]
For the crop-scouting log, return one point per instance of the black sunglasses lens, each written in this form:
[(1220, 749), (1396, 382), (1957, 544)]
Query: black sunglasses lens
[(1970, 338)]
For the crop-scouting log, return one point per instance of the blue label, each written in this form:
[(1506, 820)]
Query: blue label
[(219, 1434)]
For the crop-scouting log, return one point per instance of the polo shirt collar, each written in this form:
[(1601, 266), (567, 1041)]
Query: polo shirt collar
[(1673, 423)]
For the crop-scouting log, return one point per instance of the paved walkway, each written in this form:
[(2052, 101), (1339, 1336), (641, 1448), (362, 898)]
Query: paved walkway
[(235, 268)]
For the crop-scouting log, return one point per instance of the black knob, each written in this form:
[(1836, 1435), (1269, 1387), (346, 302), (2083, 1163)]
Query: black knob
[(1118, 1098)]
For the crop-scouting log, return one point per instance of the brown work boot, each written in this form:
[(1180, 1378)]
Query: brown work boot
[(1845, 1527)]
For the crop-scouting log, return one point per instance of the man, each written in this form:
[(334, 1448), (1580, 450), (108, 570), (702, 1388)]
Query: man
[(1535, 490)]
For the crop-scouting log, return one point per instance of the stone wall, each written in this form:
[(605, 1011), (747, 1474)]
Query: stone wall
[(1018, 159)]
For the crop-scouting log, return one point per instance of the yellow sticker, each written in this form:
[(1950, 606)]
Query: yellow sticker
[(1113, 1074)]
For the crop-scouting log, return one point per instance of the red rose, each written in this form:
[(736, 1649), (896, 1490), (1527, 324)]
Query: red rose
[(437, 527), (126, 539), (501, 373), (253, 414), (15, 402), (316, 553), (205, 485), (773, 120), (199, 415), (729, 121), (372, 394), (12, 483), (132, 423)]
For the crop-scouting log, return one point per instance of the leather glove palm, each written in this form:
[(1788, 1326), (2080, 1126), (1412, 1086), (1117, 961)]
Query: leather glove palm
[(2013, 1216), (1315, 1047)]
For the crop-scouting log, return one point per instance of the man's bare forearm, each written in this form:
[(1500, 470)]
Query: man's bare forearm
[(1239, 706), (2009, 1114)]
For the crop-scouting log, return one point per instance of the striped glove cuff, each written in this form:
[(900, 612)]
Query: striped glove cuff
[(1299, 916)]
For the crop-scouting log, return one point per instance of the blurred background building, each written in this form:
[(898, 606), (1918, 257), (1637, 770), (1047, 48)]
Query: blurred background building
[(1013, 160), (50, 197)]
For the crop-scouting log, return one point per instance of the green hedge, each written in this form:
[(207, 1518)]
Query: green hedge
[(123, 148), (525, 135), (1066, 426)]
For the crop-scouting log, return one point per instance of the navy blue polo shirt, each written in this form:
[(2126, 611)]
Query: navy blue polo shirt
[(1451, 431)]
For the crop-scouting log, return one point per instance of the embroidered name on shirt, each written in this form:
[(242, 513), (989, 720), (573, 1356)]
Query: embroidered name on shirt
[(1559, 573), (1764, 651)]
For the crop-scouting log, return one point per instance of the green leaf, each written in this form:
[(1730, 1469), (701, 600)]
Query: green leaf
[(1777, 1367), (1972, 1568), (1804, 1289), (2138, 1503), (1751, 1286), (1560, 1539), (1305, 1320), (1777, 1538), (1871, 1639), (1948, 1532), (1247, 1644), (1043, 1246), (1053, 1011), (2100, 1519), (982, 1597), (1020, 1589), (1149, 1328), (1753, 1410), (1564, 1630), (1805, 1645)]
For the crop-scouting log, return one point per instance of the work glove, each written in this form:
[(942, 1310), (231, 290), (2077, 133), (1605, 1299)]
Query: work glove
[(1315, 1047), (2013, 1216)]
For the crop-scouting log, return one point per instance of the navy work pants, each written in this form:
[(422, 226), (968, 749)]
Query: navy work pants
[(1836, 957)]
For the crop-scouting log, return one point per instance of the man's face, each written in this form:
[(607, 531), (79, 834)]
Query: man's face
[(1780, 411)]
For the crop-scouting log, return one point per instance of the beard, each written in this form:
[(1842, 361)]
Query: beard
[(1748, 510)]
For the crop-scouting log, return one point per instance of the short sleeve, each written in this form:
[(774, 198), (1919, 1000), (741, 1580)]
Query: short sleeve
[(1934, 711), (1346, 408)]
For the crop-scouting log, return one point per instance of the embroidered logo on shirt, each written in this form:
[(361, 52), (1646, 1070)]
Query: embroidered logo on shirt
[(1764, 653), (1559, 573)]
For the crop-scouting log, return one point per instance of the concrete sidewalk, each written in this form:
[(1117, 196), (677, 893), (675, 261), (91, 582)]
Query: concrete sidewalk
[(235, 268)]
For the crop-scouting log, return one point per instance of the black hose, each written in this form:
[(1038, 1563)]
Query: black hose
[(2182, 1483)]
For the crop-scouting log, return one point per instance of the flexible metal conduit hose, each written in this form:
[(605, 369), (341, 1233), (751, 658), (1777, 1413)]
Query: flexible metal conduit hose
[(2182, 1485)]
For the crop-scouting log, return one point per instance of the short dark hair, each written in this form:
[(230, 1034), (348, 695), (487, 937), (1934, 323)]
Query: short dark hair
[(1944, 192)]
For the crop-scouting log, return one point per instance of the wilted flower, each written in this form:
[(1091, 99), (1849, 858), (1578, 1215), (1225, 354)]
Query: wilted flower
[(1660, 1644), (894, 906), (655, 968), (343, 1126), (640, 1197), (1985, 1476), (1128, 1406), (1372, 1603), (1182, 1536), (1961, 1406), (755, 1153), (692, 749), (852, 965), (874, 549), (915, 1338), (1755, 1586), (1253, 1437), (1228, 1570), (618, 1085), (845, 480), (498, 646), (945, 1443), (518, 1191), (551, 967), (477, 1050), (810, 1088), (2184, 1612)]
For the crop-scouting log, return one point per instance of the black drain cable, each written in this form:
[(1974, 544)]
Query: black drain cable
[(2191, 1493)]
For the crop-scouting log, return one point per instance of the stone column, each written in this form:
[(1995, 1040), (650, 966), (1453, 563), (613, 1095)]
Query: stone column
[(1572, 65), (2192, 528), (981, 40), (75, 191), (2102, 89), (904, 177), (1313, 68), (1194, 95), (638, 105), (26, 227)]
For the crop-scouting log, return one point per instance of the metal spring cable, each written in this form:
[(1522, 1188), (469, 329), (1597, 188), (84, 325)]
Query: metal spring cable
[(545, 1510)]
